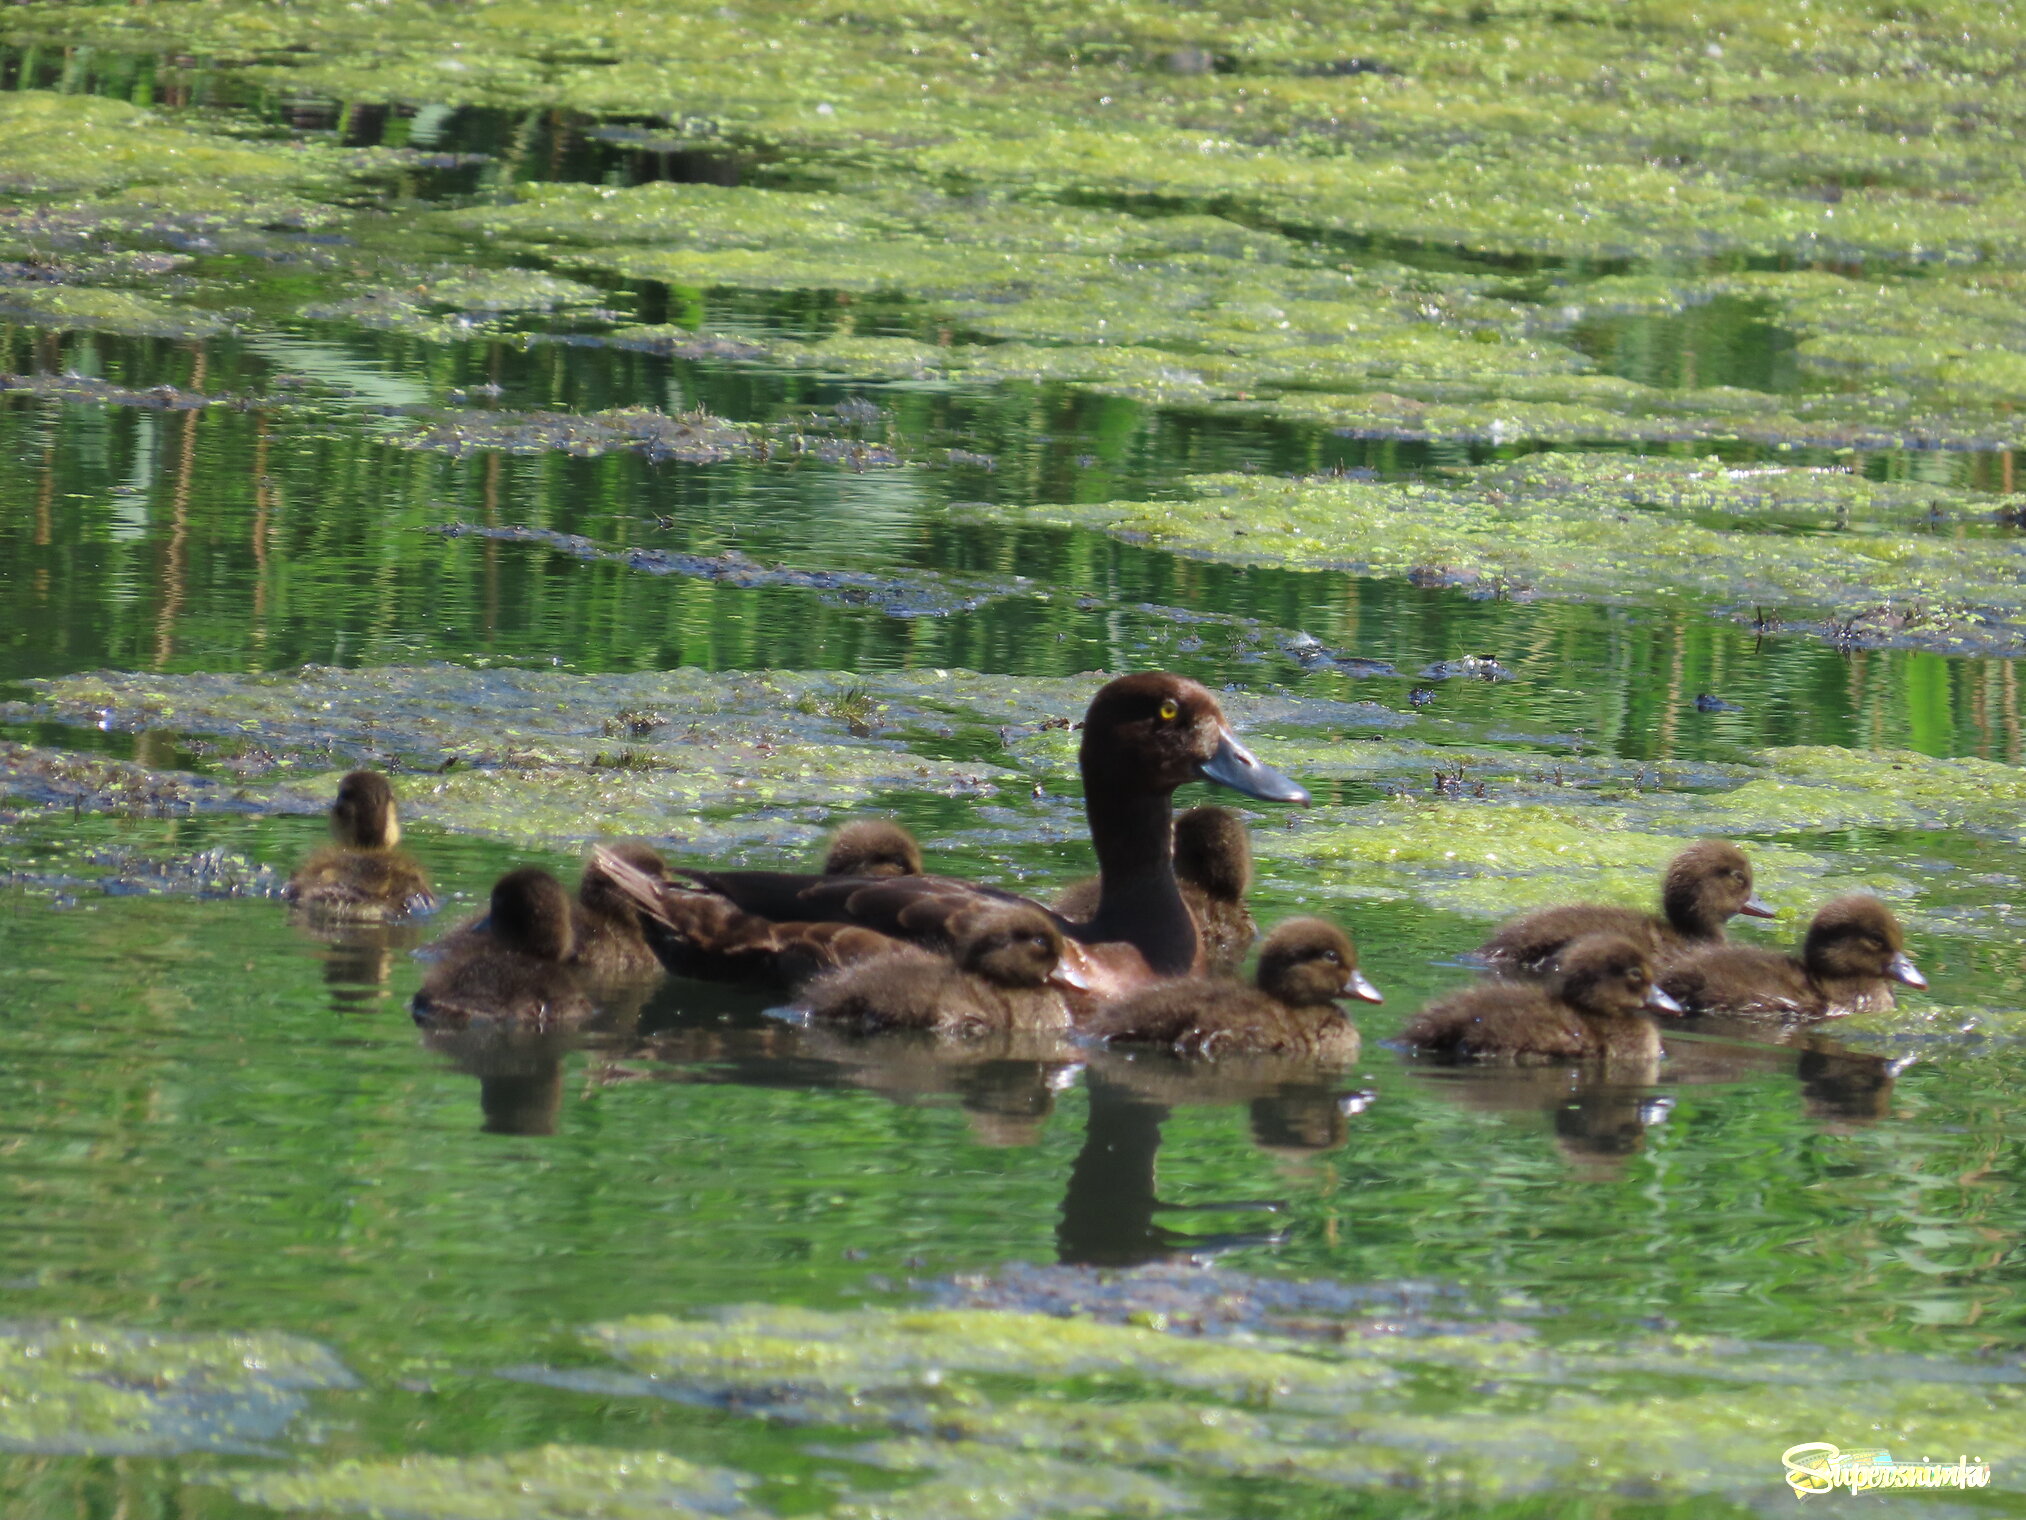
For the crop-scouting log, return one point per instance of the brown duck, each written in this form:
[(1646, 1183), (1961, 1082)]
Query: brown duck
[(872, 847), (519, 975), (1213, 866), (1853, 952), (606, 942), (363, 873), (1305, 966), (1591, 1008), (996, 980), (1704, 886), (1143, 736)]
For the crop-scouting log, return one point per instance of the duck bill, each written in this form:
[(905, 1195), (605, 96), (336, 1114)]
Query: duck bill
[(1660, 1002), (1901, 969), (1755, 907), (1363, 990), (1237, 767)]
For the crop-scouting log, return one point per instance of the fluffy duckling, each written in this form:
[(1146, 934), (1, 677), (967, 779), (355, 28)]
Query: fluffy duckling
[(609, 944), (1853, 953), (518, 976), (1705, 885), (1305, 966), (873, 847), (1213, 867), (1589, 1009), (363, 873), (996, 979)]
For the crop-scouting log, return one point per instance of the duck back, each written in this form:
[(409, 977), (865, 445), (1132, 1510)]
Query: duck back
[(1522, 1024)]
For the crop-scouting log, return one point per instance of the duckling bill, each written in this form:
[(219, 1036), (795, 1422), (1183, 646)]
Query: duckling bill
[(363, 874), (1305, 967)]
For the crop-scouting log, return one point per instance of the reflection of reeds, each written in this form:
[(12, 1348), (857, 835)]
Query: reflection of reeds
[(173, 564)]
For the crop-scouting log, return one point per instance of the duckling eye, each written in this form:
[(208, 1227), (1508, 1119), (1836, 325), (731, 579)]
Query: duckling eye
[(1170, 710)]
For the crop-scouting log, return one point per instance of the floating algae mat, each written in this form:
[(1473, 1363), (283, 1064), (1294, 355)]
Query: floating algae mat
[(1555, 432)]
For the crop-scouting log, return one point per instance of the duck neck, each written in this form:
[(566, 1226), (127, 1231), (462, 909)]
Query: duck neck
[(1139, 900)]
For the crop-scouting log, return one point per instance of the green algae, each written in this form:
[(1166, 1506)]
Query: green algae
[(79, 144), (74, 1387), (547, 1483), (74, 308), (1614, 526), (971, 1481)]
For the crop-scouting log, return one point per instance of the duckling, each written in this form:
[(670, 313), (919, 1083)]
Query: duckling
[(997, 980), (519, 976), (1305, 965), (1705, 884), (1853, 952), (873, 847), (609, 944), (363, 874), (1589, 1009), (1213, 867)]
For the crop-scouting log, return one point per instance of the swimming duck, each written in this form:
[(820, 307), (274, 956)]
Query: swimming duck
[(872, 847), (363, 873), (1143, 736), (995, 980), (1213, 865), (1591, 1008), (1705, 884), (1852, 954), (1305, 965), (606, 942), (518, 976)]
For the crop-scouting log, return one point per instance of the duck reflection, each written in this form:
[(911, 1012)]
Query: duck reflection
[(1599, 1114), (519, 1071), (359, 960), (1841, 1089)]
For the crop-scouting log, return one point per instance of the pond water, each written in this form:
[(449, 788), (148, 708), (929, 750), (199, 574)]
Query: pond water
[(275, 509)]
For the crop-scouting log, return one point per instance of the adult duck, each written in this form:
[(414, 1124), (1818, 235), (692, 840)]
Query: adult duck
[(1143, 736), (1213, 866), (1305, 966), (1705, 885), (1852, 954), (518, 976), (363, 874), (1592, 1008)]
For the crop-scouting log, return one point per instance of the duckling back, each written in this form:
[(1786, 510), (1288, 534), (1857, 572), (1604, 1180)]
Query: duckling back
[(517, 976), (1589, 1009)]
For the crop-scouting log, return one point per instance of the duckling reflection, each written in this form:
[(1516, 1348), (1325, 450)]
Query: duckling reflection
[(1841, 1089), (1598, 1114), (359, 960), (519, 1071), (1005, 1081), (362, 875)]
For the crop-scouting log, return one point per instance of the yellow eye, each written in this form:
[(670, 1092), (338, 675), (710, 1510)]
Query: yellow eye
[(1170, 709)]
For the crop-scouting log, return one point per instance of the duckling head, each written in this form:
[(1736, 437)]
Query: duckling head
[(601, 894), (1149, 733), (1857, 936), (1307, 962), (1014, 947), (1607, 974), (531, 914), (1710, 881), (1214, 852), (873, 847), (363, 816)]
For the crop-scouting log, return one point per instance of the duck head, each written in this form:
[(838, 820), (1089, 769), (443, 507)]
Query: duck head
[(1607, 974), (596, 889), (1214, 852), (1014, 947), (873, 847), (1709, 882), (1308, 962), (1857, 936), (531, 914), (1149, 733), (363, 816)]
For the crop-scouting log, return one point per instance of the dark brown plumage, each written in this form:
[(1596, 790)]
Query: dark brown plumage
[(363, 874), (1213, 866), (518, 976), (1705, 884), (1589, 1009), (1144, 735), (997, 981), (1853, 952), (1305, 966), (606, 942), (872, 847)]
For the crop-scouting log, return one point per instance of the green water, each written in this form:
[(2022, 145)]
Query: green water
[(213, 1120)]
